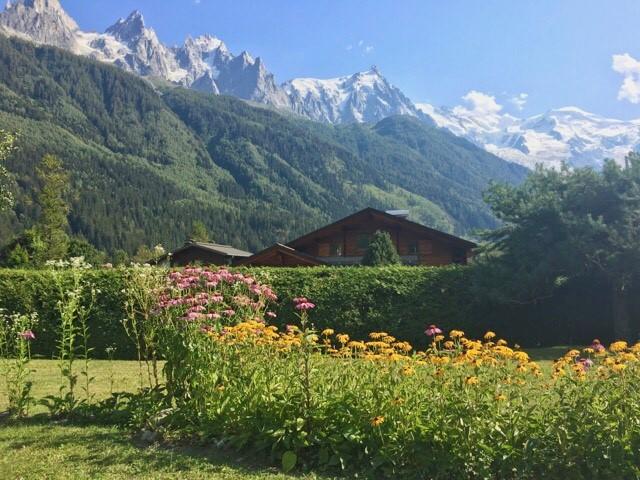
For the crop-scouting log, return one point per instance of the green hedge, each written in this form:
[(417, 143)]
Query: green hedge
[(354, 300), (400, 300), (24, 291), (360, 300)]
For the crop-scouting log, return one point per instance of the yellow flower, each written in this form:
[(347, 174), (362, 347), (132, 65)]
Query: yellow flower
[(327, 332), (438, 338), (618, 367), (357, 345), (377, 335), (448, 344), (500, 397), (407, 371), (501, 343), (521, 357), (397, 401), (618, 346), (343, 338), (472, 380), (489, 335), (572, 353), (456, 334), (377, 421)]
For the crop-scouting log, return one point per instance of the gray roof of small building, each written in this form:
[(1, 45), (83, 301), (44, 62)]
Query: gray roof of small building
[(216, 248)]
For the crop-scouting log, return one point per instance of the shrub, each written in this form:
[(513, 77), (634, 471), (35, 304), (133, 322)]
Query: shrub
[(381, 251), (460, 408)]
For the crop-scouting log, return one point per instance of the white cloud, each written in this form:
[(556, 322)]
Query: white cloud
[(629, 68), (519, 100), (360, 47)]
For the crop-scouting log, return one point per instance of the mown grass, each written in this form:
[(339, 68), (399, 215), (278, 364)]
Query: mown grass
[(38, 448)]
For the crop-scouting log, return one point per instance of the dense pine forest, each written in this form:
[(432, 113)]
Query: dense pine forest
[(147, 160)]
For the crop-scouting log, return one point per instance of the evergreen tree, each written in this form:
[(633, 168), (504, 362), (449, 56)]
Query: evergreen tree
[(52, 226), (381, 251), (18, 257), (7, 141), (199, 232)]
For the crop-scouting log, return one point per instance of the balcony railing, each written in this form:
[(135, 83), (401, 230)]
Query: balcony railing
[(356, 260)]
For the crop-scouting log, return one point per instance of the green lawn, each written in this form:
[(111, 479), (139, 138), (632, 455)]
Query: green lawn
[(40, 449)]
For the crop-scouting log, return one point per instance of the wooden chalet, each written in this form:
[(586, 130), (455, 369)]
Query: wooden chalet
[(345, 242), (204, 253)]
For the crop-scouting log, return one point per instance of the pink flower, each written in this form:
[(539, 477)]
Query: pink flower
[(27, 335), (271, 314), (432, 330), (305, 306), (302, 303), (229, 312), (586, 363)]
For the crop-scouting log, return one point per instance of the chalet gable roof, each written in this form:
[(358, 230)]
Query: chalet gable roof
[(218, 248), (371, 213), (285, 250)]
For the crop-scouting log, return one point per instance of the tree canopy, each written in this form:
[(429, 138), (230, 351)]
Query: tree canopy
[(7, 145), (563, 225)]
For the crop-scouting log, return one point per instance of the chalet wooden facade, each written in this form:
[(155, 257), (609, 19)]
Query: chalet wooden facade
[(345, 242)]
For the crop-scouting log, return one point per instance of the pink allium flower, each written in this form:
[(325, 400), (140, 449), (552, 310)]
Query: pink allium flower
[(432, 330), (27, 335)]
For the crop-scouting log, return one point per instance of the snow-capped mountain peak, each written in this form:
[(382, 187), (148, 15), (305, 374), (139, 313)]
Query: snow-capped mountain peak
[(567, 134), (42, 21), (362, 97), (128, 29)]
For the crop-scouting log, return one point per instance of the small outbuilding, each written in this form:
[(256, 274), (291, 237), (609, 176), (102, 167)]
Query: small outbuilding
[(205, 253)]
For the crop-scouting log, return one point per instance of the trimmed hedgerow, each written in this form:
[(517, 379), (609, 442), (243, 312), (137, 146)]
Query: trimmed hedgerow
[(363, 299), (26, 291), (356, 300)]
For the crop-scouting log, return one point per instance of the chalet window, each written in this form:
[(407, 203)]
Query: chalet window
[(335, 250), (362, 241), (412, 248)]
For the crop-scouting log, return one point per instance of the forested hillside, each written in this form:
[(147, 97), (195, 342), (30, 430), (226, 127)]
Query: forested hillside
[(147, 161)]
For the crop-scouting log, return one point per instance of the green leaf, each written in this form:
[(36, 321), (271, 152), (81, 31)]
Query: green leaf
[(289, 460)]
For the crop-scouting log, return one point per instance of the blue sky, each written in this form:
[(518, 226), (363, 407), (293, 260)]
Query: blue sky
[(557, 52)]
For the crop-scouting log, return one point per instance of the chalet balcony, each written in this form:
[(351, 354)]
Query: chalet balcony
[(356, 260)]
